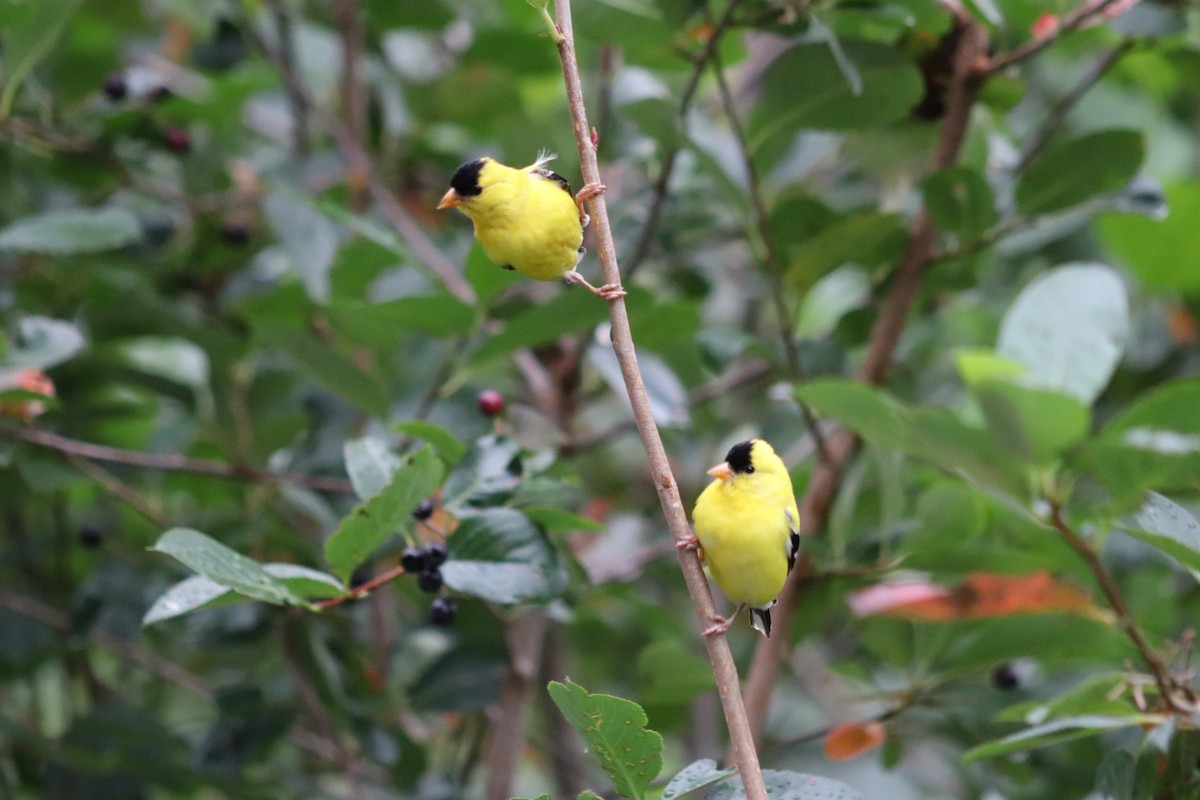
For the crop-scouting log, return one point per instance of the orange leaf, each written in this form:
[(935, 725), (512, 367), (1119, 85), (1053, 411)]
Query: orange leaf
[(850, 739), (982, 594)]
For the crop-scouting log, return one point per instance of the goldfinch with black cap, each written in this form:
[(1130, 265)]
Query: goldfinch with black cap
[(747, 531), (526, 219)]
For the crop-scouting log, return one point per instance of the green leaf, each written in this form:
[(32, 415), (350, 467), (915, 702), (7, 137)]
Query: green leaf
[(695, 776), (486, 277), (370, 463), (573, 310), (1115, 776), (1093, 695), (371, 522), (1057, 731), (672, 673), (43, 342), (788, 786), (171, 358), (210, 558), (1170, 529), (1078, 169), (554, 519), (72, 231), (1162, 253), (500, 555), (198, 592), (488, 475), (1168, 407), (960, 201), (868, 239), (615, 731), (383, 324), (804, 88), (1068, 328), (447, 445), (1034, 424), (329, 368), (931, 434), (308, 237), (28, 39)]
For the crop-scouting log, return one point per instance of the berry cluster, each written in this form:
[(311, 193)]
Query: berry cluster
[(424, 563)]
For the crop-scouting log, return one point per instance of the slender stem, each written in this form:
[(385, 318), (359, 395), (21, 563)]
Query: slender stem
[(770, 253), (645, 238), (171, 462), (1058, 112), (893, 313), (525, 637), (287, 65), (1068, 23), (724, 669), (1108, 585), (364, 589), (353, 92)]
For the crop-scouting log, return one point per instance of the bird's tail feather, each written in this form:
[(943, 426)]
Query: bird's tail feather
[(760, 619)]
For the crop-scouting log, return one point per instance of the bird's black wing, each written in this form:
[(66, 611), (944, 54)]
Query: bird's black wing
[(793, 545), (548, 175)]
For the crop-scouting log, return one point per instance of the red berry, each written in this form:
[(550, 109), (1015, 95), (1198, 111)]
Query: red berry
[(177, 140), (491, 403)]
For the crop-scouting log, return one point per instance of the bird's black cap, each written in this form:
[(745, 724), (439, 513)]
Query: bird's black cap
[(466, 178), (738, 457)]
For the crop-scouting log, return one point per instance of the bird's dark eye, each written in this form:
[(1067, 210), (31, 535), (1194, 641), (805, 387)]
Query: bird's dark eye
[(749, 469)]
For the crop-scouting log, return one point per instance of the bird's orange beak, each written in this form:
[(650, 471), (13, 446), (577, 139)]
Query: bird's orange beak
[(450, 199), (722, 471)]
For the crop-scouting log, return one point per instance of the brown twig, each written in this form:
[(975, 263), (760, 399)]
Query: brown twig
[(152, 663), (1112, 592), (297, 99), (724, 669), (171, 462), (645, 237), (770, 253), (353, 95), (1058, 112), (1068, 23), (362, 590), (359, 162), (525, 637), (822, 487)]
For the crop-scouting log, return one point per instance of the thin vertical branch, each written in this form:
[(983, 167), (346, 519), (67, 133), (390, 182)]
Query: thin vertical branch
[(1058, 112), (893, 313), (525, 637), (641, 247), (724, 669), (353, 94), (297, 99), (770, 253)]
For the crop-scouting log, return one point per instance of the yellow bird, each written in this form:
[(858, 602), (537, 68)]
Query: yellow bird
[(747, 531), (526, 219)]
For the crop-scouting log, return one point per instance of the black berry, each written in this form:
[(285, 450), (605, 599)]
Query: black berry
[(91, 537), (436, 555), (442, 612), (491, 403), (1005, 677), (115, 87), (159, 93), (429, 580), (177, 140), (413, 559), (235, 233), (424, 510)]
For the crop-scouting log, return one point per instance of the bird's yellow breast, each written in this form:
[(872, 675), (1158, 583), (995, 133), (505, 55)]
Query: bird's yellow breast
[(527, 222), (744, 530)]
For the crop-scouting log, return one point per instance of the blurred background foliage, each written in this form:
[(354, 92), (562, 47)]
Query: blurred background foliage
[(230, 308)]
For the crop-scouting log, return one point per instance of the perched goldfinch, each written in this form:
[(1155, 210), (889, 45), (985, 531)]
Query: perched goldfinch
[(526, 219), (747, 531)]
